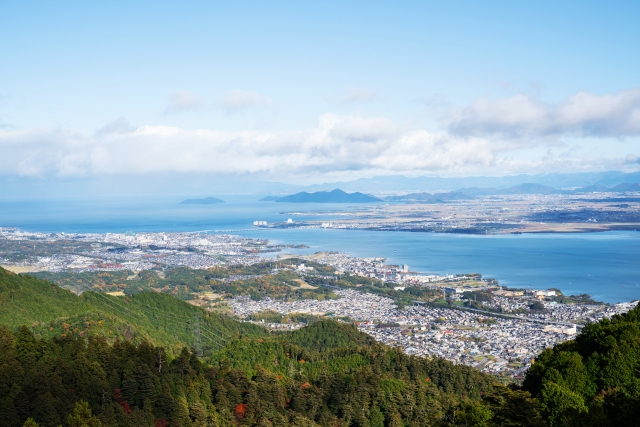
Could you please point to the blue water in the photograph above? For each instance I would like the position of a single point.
(604, 265)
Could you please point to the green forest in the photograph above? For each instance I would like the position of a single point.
(158, 318)
(258, 280)
(68, 360)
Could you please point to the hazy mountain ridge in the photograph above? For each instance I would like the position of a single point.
(380, 184)
(526, 188)
(334, 196)
(200, 185)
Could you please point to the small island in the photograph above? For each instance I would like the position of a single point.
(335, 196)
(269, 199)
(206, 201)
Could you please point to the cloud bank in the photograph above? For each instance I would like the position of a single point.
(337, 143)
(485, 137)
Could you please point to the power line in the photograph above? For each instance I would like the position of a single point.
(196, 333)
(169, 318)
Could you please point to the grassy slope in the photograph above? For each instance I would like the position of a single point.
(158, 318)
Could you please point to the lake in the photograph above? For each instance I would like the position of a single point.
(604, 265)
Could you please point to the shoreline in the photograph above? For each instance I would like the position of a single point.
(381, 248)
(504, 229)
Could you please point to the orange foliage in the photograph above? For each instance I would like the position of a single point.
(240, 410)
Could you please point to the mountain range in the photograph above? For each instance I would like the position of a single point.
(526, 188)
(201, 185)
(340, 196)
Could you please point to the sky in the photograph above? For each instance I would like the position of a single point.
(314, 91)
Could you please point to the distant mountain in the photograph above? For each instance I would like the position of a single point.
(624, 188)
(201, 185)
(524, 188)
(428, 197)
(615, 178)
(530, 188)
(335, 196)
(269, 199)
(399, 183)
(206, 201)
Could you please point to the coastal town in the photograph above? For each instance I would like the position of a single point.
(465, 318)
(56, 252)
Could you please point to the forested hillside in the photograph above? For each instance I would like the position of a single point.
(158, 318)
(95, 360)
(593, 380)
(128, 385)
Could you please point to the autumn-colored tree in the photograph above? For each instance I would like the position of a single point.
(117, 396)
(240, 411)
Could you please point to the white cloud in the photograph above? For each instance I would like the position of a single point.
(182, 100)
(631, 159)
(336, 145)
(238, 100)
(354, 95)
(582, 114)
(512, 135)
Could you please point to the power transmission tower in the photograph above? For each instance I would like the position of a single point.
(159, 359)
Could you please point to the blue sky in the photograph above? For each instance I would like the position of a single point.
(311, 91)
